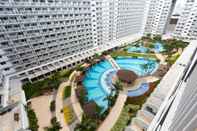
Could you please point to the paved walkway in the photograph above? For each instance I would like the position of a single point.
(147, 79)
(59, 107)
(41, 106)
(114, 114)
(112, 62)
(161, 58)
(75, 103)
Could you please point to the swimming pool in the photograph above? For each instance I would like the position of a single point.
(144, 87)
(98, 78)
(158, 47)
(140, 49)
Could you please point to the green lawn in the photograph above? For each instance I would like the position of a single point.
(128, 112)
(172, 58)
(125, 53)
(67, 92)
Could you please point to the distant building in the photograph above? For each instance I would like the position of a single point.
(186, 28)
(158, 16)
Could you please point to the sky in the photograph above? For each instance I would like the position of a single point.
(179, 6)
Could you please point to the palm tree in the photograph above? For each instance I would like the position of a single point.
(87, 124)
(118, 85)
(110, 98)
(145, 67)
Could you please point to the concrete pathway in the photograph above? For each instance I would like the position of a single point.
(74, 100)
(161, 58)
(41, 106)
(114, 114)
(147, 79)
(59, 107)
(112, 62)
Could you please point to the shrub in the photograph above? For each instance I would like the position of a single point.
(55, 125)
(87, 124)
(80, 68)
(65, 73)
(67, 92)
(52, 106)
(125, 117)
(39, 87)
(33, 121)
(68, 115)
(157, 37)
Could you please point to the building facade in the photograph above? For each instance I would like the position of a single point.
(186, 28)
(178, 111)
(158, 15)
(40, 36)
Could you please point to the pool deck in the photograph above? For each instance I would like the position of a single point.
(139, 81)
(161, 58)
(112, 62)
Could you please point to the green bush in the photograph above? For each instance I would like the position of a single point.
(39, 87)
(80, 68)
(33, 121)
(87, 124)
(67, 92)
(52, 106)
(157, 38)
(125, 117)
(65, 73)
(55, 125)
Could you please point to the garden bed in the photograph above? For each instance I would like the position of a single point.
(47, 85)
(133, 54)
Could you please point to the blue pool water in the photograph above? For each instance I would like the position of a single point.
(144, 87)
(140, 49)
(98, 78)
(158, 47)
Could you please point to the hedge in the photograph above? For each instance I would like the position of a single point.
(33, 121)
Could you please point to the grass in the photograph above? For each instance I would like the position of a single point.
(131, 107)
(172, 58)
(68, 115)
(67, 92)
(133, 54)
(128, 112)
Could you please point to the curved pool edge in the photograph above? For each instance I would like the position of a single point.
(139, 91)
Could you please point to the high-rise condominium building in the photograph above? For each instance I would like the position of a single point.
(158, 15)
(187, 24)
(121, 18)
(178, 111)
(39, 36)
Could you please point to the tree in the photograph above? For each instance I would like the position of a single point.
(52, 106)
(145, 67)
(55, 125)
(157, 38)
(148, 35)
(118, 85)
(87, 124)
(111, 98)
(33, 121)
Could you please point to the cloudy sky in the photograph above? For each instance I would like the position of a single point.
(179, 6)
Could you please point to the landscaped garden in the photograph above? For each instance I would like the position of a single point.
(46, 85)
(100, 81)
(142, 60)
